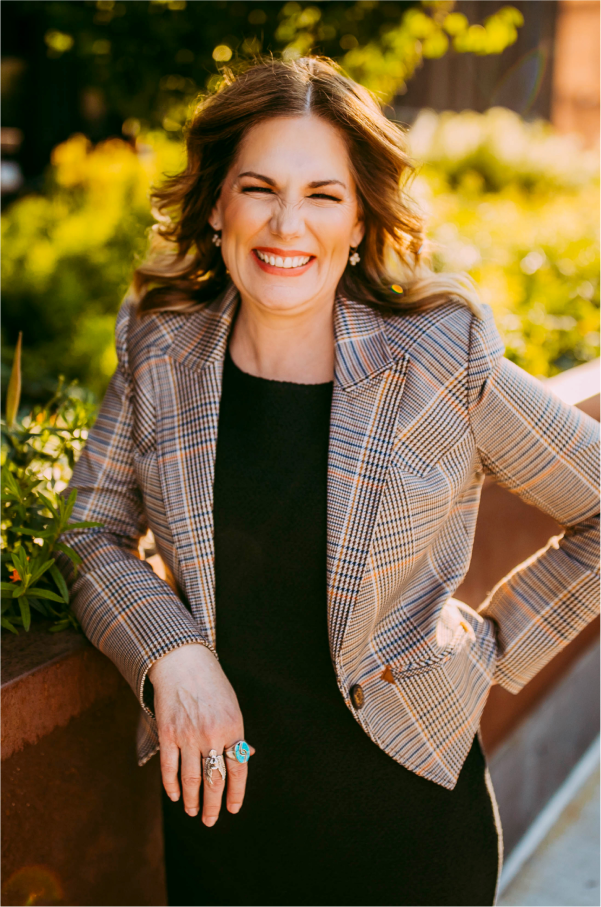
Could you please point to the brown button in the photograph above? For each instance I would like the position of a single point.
(357, 696)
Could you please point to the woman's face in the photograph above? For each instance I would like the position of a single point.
(288, 214)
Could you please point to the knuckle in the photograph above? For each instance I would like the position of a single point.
(189, 778)
(167, 733)
(217, 785)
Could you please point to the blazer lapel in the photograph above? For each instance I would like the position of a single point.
(368, 385)
(188, 381)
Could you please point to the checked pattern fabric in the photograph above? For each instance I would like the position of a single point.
(424, 406)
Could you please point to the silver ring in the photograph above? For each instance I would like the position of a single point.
(214, 762)
(238, 752)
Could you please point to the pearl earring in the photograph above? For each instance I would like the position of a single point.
(217, 239)
(354, 257)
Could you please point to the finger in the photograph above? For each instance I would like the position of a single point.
(169, 757)
(213, 793)
(236, 785)
(191, 778)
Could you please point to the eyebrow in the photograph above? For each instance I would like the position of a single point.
(314, 185)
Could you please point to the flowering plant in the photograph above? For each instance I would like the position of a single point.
(38, 454)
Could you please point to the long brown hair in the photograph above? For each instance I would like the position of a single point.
(185, 269)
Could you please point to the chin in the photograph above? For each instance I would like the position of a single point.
(278, 298)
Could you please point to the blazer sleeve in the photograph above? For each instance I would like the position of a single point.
(547, 452)
(125, 610)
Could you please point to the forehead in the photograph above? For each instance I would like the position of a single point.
(305, 146)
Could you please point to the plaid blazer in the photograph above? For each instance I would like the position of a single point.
(423, 406)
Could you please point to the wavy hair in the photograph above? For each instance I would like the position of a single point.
(184, 269)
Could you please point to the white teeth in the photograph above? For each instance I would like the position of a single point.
(279, 262)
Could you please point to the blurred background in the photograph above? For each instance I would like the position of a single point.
(502, 104)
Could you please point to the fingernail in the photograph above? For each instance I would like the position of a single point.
(235, 807)
(192, 812)
(174, 797)
(209, 822)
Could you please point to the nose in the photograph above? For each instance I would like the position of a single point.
(287, 220)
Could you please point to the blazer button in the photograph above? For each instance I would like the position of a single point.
(357, 696)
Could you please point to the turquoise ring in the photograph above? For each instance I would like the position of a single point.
(239, 752)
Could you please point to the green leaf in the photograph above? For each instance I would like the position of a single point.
(70, 552)
(25, 613)
(36, 533)
(70, 503)
(13, 392)
(20, 562)
(7, 587)
(45, 593)
(61, 625)
(39, 571)
(39, 606)
(48, 503)
(5, 622)
(57, 576)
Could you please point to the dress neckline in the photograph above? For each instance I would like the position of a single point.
(274, 381)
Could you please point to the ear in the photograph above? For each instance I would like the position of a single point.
(358, 233)
(215, 219)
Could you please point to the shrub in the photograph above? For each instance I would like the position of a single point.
(517, 206)
(68, 257)
(38, 453)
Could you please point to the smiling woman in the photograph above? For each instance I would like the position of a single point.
(359, 162)
(303, 414)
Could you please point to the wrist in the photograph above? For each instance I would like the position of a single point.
(187, 653)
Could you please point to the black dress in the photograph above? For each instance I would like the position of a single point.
(328, 817)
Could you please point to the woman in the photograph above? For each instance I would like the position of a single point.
(308, 446)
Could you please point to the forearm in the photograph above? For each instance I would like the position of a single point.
(125, 610)
(544, 603)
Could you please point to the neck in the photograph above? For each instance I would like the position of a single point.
(297, 346)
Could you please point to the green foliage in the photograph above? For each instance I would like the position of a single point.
(140, 63)
(38, 453)
(68, 256)
(517, 206)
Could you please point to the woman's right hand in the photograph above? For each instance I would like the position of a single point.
(197, 711)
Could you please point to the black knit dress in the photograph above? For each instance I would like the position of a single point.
(328, 817)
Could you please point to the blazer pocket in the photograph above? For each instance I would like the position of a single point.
(464, 633)
(419, 452)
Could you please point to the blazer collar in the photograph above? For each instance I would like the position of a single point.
(361, 348)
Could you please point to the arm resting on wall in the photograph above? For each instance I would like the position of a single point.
(125, 610)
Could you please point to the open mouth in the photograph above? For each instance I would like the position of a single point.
(274, 263)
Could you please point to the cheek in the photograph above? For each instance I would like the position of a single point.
(334, 227)
(243, 218)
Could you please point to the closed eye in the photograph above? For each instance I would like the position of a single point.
(257, 189)
(323, 195)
